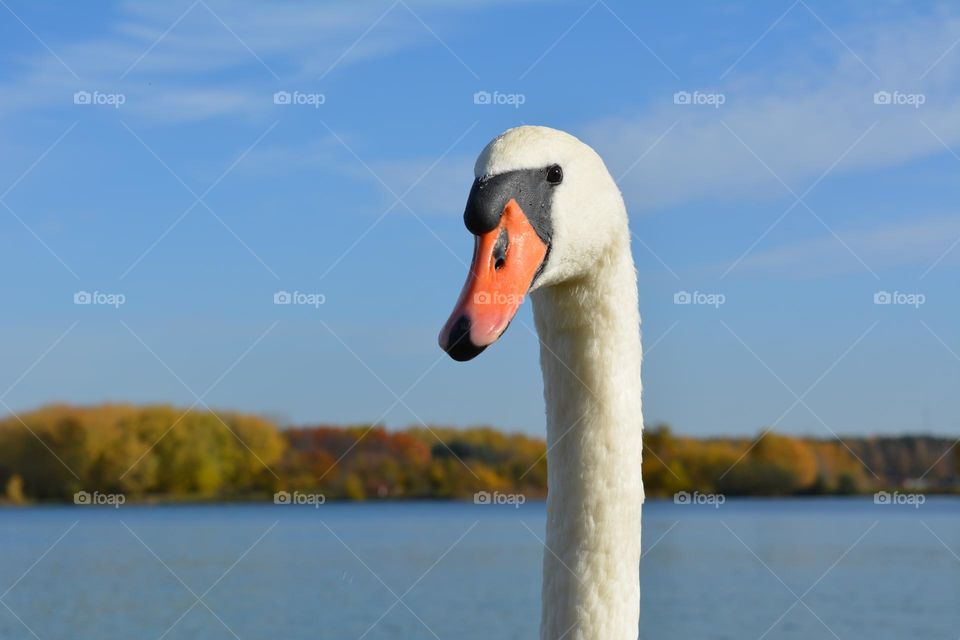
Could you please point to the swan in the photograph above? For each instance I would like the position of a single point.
(549, 221)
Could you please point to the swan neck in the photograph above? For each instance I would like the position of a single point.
(590, 356)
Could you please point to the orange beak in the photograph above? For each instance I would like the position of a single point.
(506, 260)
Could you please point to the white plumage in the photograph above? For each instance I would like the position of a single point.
(585, 307)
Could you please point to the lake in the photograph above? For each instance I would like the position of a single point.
(798, 569)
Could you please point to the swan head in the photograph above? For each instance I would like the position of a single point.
(543, 210)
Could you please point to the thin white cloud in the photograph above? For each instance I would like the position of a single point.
(915, 243)
(172, 61)
(429, 185)
(798, 117)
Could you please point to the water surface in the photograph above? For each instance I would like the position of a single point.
(796, 569)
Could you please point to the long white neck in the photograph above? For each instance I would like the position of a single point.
(590, 355)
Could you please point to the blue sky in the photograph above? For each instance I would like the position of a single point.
(797, 200)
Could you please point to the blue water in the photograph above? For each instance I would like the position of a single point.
(287, 572)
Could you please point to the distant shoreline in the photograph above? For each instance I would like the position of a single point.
(157, 454)
(217, 502)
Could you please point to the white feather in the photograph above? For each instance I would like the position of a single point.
(586, 315)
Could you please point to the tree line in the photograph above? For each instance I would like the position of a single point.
(163, 453)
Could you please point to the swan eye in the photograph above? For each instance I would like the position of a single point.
(554, 174)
